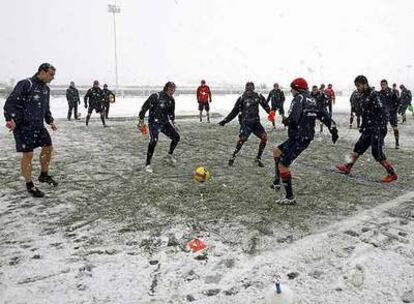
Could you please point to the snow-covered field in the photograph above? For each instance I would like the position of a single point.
(112, 234)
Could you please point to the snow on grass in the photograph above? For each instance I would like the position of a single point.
(111, 233)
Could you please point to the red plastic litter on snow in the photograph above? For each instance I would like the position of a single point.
(196, 245)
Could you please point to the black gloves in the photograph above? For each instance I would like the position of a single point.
(334, 133)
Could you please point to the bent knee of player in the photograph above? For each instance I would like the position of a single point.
(283, 168)
(47, 149)
(241, 140)
(27, 156)
(378, 155)
(276, 152)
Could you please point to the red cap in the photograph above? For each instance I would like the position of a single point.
(299, 84)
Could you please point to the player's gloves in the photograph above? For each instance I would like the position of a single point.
(334, 133)
(271, 116)
(142, 127)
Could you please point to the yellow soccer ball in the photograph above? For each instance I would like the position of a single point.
(201, 174)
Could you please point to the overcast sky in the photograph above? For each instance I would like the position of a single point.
(223, 41)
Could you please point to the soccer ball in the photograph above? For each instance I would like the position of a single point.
(201, 174)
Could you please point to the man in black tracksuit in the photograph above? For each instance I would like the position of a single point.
(25, 111)
(109, 97)
(301, 130)
(72, 96)
(277, 100)
(94, 100)
(391, 104)
(247, 107)
(161, 118)
(321, 100)
(355, 109)
(405, 101)
(373, 129)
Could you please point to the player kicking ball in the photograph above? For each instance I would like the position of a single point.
(161, 118)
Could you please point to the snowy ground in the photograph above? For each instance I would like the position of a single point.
(112, 234)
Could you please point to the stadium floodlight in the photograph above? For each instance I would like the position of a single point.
(115, 9)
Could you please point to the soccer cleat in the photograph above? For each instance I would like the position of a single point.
(259, 162)
(397, 147)
(287, 201)
(231, 161)
(35, 192)
(390, 178)
(344, 169)
(148, 169)
(48, 179)
(350, 126)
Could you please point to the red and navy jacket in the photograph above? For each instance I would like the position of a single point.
(302, 115)
(203, 94)
(28, 104)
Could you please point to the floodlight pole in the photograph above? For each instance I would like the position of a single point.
(115, 9)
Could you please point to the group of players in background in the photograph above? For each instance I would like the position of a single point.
(27, 108)
(95, 99)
